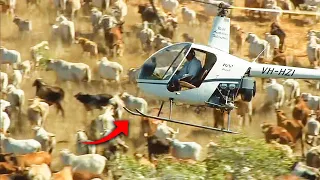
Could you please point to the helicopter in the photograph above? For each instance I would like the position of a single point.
(223, 76)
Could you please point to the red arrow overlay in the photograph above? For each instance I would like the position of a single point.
(122, 126)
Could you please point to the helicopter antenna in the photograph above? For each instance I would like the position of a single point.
(259, 54)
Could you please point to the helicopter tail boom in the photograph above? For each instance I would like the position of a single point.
(276, 71)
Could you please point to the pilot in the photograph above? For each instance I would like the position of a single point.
(189, 71)
(191, 68)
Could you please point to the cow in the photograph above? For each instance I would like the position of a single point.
(277, 30)
(91, 102)
(68, 71)
(51, 94)
(294, 127)
(29, 159)
(188, 16)
(88, 46)
(146, 36)
(257, 45)
(19, 147)
(301, 110)
(109, 70)
(92, 163)
(147, 13)
(46, 139)
(64, 174)
(38, 111)
(156, 146)
(114, 41)
(185, 150)
(279, 134)
(244, 109)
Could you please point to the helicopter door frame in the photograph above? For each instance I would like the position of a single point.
(209, 61)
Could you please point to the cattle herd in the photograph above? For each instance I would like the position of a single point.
(94, 45)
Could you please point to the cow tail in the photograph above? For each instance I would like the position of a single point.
(88, 74)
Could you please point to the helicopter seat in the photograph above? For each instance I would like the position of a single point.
(196, 82)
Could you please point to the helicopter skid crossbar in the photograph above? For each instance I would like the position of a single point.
(139, 113)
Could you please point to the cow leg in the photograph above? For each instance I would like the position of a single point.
(59, 108)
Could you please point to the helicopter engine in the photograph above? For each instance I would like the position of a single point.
(227, 92)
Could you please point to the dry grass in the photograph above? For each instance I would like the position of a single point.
(65, 128)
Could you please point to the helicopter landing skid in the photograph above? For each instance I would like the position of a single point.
(139, 113)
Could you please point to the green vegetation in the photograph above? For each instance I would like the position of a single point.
(236, 154)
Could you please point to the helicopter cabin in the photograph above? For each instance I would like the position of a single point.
(159, 75)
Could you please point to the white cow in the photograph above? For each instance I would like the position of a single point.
(274, 42)
(313, 50)
(68, 71)
(25, 68)
(46, 139)
(274, 16)
(185, 150)
(4, 105)
(133, 102)
(4, 121)
(163, 131)
(15, 96)
(117, 102)
(12, 7)
(312, 101)
(17, 78)
(3, 81)
(65, 29)
(257, 45)
(95, 18)
(292, 89)
(275, 94)
(37, 51)
(19, 147)
(38, 111)
(10, 57)
(109, 70)
(188, 15)
(75, 6)
(133, 74)
(82, 148)
(122, 10)
(170, 5)
(93, 163)
(146, 37)
(106, 120)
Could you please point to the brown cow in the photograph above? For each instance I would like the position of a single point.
(7, 168)
(114, 40)
(80, 175)
(244, 109)
(64, 174)
(88, 46)
(301, 110)
(294, 127)
(240, 39)
(219, 118)
(279, 58)
(27, 160)
(279, 134)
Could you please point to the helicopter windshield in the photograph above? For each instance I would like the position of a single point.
(162, 64)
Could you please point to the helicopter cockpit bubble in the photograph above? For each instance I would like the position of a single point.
(162, 64)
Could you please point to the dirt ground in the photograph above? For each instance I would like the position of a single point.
(75, 119)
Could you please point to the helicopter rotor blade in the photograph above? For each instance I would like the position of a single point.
(228, 6)
(275, 10)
